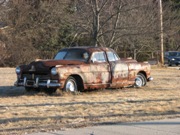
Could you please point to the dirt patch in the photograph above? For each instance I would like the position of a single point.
(23, 112)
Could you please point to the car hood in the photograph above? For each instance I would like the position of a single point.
(177, 58)
(171, 57)
(52, 63)
(46, 65)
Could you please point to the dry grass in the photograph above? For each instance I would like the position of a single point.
(23, 112)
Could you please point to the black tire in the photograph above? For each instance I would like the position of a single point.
(70, 85)
(140, 80)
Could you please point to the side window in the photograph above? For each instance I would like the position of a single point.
(112, 56)
(98, 57)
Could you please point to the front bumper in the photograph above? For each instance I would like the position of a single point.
(37, 83)
(150, 79)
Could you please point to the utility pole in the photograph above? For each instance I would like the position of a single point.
(162, 39)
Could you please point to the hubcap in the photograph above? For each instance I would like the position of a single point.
(138, 82)
(70, 86)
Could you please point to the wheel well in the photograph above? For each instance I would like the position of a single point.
(79, 82)
(144, 73)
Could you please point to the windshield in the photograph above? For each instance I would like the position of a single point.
(173, 53)
(72, 54)
(178, 54)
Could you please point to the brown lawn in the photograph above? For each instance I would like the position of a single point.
(22, 112)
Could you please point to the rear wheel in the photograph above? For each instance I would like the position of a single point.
(71, 85)
(140, 80)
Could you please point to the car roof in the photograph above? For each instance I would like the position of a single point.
(91, 48)
(172, 51)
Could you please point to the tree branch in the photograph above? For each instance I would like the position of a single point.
(2, 2)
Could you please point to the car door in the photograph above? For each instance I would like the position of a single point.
(119, 70)
(99, 76)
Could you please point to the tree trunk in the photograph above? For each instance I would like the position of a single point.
(95, 23)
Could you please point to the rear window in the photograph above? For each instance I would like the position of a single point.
(112, 56)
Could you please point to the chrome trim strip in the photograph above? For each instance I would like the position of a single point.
(24, 82)
(37, 82)
(48, 83)
(45, 83)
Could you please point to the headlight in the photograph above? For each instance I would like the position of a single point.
(53, 71)
(18, 70)
(173, 59)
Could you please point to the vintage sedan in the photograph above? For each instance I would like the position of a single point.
(82, 68)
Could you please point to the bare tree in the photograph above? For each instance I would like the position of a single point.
(110, 21)
(2, 2)
(171, 27)
(36, 28)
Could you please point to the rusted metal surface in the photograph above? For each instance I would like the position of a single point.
(93, 75)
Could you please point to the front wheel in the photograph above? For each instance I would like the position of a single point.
(140, 80)
(71, 85)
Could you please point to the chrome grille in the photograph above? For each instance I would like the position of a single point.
(34, 76)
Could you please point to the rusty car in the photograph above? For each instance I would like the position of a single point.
(82, 68)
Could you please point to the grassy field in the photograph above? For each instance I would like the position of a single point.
(23, 112)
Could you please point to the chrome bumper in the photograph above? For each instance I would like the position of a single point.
(37, 83)
(150, 79)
